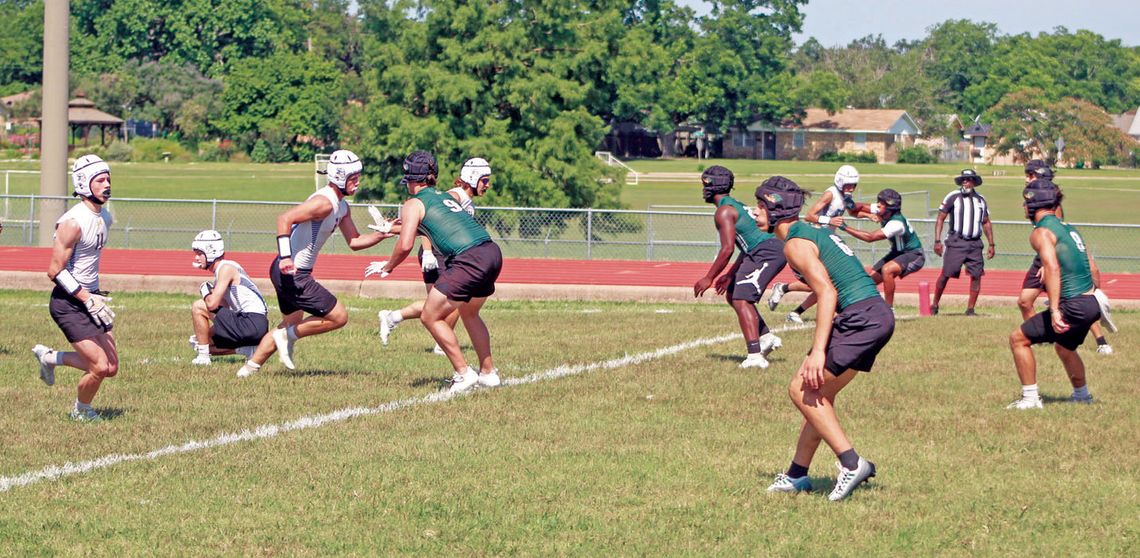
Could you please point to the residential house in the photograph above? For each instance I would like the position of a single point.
(949, 145)
(1128, 123)
(879, 131)
(982, 146)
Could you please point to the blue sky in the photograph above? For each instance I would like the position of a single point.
(837, 22)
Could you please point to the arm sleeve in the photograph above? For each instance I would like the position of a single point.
(947, 203)
(893, 229)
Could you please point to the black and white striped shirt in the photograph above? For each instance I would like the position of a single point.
(966, 212)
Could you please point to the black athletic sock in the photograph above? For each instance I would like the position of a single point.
(849, 459)
(754, 347)
(763, 326)
(800, 309)
(796, 470)
(1101, 341)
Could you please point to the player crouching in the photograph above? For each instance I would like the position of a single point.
(230, 318)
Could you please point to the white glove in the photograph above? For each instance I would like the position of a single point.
(1105, 311)
(380, 224)
(428, 261)
(375, 268)
(205, 288)
(97, 308)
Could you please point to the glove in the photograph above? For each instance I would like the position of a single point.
(428, 261)
(1105, 311)
(97, 308)
(376, 268)
(848, 202)
(205, 288)
(380, 224)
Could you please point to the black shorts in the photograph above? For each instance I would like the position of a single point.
(72, 318)
(1032, 281)
(431, 276)
(757, 269)
(858, 333)
(300, 292)
(1079, 312)
(962, 252)
(238, 329)
(909, 262)
(471, 273)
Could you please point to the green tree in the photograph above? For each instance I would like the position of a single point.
(21, 44)
(1028, 124)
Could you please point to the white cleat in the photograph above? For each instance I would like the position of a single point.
(194, 342)
(245, 371)
(463, 382)
(284, 347)
(754, 360)
(246, 352)
(1024, 404)
(201, 360)
(386, 326)
(784, 483)
(794, 318)
(768, 343)
(778, 292)
(438, 350)
(1105, 349)
(47, 371)
(490, 379)
(849, 479)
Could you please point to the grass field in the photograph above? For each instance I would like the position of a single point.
(652, 455)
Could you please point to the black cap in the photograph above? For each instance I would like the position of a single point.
(419, 165)
(1041, 194)
(968, 174)
(890, 199)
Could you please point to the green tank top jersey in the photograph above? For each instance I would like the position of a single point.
(843, 267)
(450, 228)
(1076, 275)
(906, 241)
(748, 234)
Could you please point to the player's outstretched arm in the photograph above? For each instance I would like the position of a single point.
(866, 236)
(358, 241)
(411, 214)
(803, 256)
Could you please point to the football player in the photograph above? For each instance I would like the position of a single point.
(905, 256)
(230, 318)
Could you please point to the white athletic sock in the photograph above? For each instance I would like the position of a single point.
(1081, 392)
(395, 318)
(291, 333)
(252, 365)
(1029, 392)
(80, 406)
(203, 350)
(54, 357)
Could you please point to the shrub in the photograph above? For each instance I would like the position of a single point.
(215, 151)
(260, 152)
(119, 151)
(151, 150)
(917, 155)
(849, 157)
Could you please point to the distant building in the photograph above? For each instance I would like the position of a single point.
(982, 146)
(950, 145)
(879, 131)
(1128, 123)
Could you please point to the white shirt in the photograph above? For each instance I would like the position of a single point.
(243, 295)
(464, 200)
(308, 237)
(836, 207)
(84, 262)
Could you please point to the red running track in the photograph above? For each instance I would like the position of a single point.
(1123, 286)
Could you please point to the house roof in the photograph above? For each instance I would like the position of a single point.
(978, 129)
(11, 100)
(850, 120)
(1128, 122)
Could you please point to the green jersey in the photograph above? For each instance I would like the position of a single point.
(748, 234)
(843, 268)
(449, 227)
(1076, 274)
(901, 234)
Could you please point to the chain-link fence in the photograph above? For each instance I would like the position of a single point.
(528, 232)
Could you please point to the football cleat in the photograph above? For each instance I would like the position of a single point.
(754, 360)
(47, 371)
(778, 292)
(1105, 349)
(784, 483)
(246, 352)
(193, 342)
(849, 479)
(1086, 400)
(490, 379)
(85, 415)
(246, 371)
(386, 326)
(933, 309)
(201, 360)
(769, 343)
(438, 350)
(463, 382)
(794, 318)
(284, 347)
(1023, 404)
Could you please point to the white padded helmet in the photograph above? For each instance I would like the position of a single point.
(85, 169)
(474, 169)
(846, 175)
(210, 243)
(342, 164)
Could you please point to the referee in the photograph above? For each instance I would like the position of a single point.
(969, 218)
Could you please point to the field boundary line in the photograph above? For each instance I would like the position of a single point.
(57, 472)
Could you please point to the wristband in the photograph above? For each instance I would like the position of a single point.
(823, 220)
(938, 242)
(284, 249)
(67, 282)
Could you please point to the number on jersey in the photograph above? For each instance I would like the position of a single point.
(842, 245)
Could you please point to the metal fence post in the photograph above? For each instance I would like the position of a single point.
(589, 234)
(649, 237)
(214, 215)
(31, 220)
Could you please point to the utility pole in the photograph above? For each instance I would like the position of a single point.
(54, 126)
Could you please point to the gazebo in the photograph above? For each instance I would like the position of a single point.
(82, 116)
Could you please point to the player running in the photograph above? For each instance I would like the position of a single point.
(827, 210)
(301, 233)
(1067, 272)
(230, 318)
(77, 305)
(761, 258)
(853, 324)
(474, 180)
(905, 256)
(471, 265)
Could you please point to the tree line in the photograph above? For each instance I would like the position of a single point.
(533, 85)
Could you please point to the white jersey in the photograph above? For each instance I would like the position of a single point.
(836, 207)
(307, 238)
(464, 200)
(242, 296)
(93, 227)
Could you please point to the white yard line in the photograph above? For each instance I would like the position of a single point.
(56, 472)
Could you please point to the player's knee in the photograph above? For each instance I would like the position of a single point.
(105, 369)
(1017, 339)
